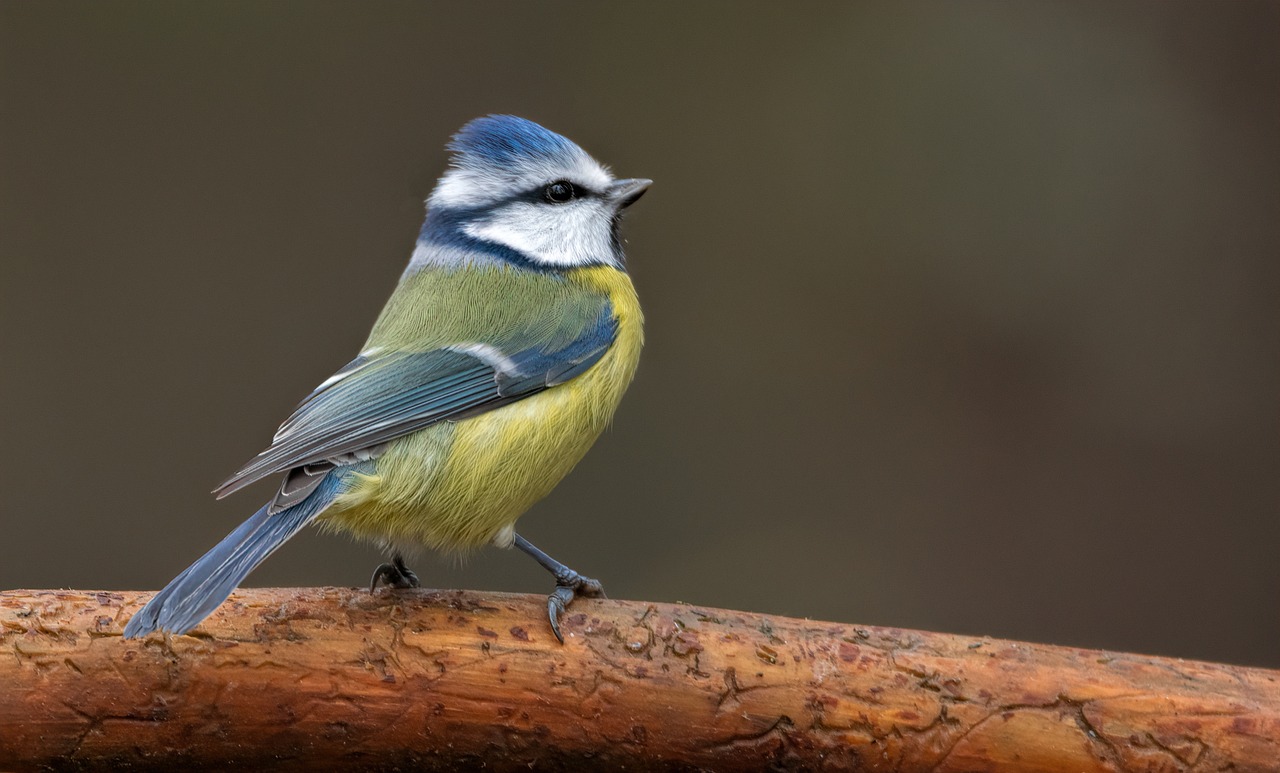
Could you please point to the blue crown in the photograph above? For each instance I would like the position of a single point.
(507, 139)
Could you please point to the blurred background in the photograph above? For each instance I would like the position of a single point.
(962, 317)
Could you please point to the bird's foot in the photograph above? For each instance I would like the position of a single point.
(570, 585)
(394, 575)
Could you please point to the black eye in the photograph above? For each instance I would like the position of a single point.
(560, 191)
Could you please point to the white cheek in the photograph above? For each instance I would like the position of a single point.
(571, 235)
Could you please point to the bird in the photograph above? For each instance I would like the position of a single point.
(498, 360)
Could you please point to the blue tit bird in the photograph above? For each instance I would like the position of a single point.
(498, 360)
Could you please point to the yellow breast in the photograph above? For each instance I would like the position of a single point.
(457, 486)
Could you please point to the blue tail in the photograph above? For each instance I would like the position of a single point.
(193, 595)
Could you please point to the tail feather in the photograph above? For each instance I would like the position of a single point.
(193, 595)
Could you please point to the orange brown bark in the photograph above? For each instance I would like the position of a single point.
(336, 678)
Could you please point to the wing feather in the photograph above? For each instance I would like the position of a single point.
(377, 398)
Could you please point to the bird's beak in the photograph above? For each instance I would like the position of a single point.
(623, 193)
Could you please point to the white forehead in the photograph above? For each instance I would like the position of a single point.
(475, 185)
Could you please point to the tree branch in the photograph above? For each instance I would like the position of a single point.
(334, 677)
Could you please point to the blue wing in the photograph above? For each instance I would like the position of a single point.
(381, 397)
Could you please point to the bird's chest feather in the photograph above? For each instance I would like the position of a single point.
(456, 485)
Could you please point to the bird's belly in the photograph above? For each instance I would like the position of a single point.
(458, 485)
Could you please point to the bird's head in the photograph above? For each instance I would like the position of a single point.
(519, 192)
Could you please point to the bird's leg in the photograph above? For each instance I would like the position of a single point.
(569, 584)
(394, 575)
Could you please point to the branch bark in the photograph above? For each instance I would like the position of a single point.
(340, 678)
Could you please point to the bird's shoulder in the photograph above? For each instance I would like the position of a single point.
(499, 306)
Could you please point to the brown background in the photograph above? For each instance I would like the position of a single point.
(962, 316)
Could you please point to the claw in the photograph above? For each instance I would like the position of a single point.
(557, 603)
(591, 588)
(568, 587)
(395, 575)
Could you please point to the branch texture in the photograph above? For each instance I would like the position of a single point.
(330, 678)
